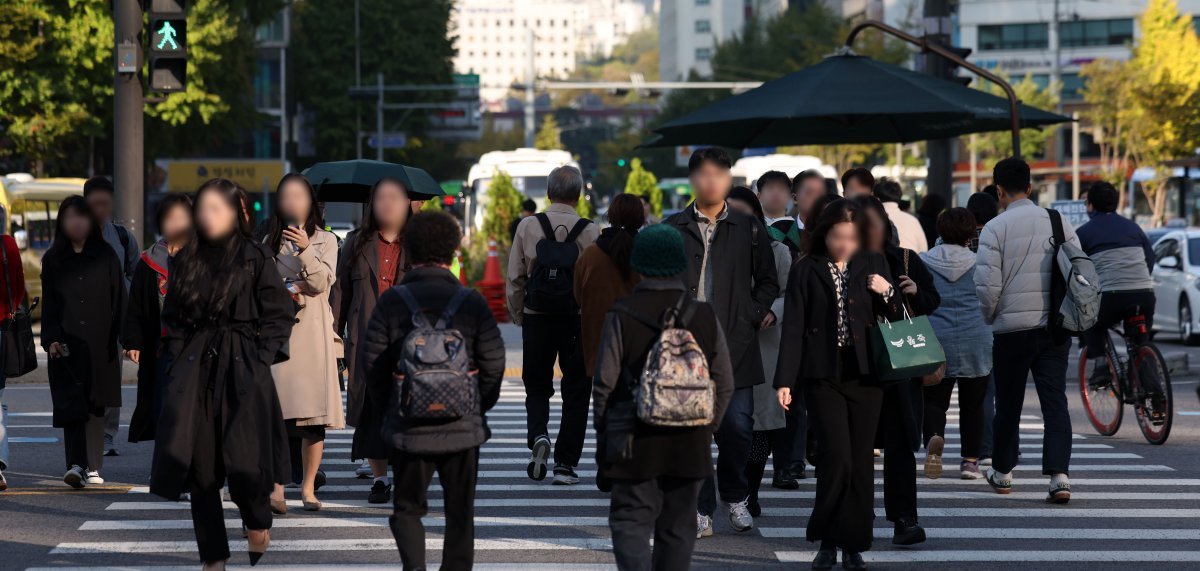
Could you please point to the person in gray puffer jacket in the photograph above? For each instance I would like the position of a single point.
(965, 338)
(1012, 280)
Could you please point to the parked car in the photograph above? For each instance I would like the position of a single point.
(1176, 285)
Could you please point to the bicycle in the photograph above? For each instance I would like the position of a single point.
(1140, 378)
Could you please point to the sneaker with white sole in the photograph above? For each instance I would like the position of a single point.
(1060, 492)
(75, 477)
(93, 478)
(364, 470)
(969, 470)
(739, 515)
(3, 481)
(1001, 486)
(985, 461)
(933, 457)
(564, 475)
(539, 456)
(703, 525)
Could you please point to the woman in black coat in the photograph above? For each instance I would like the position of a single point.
(82, 289)
(143, 326)
(834, 295)
(227, 317)
(900, 418)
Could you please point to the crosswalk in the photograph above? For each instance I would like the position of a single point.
(1126, 513)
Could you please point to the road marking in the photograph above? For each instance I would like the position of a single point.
(976, 556)
(356, 504)
(64, 489)
(990, 533)
(341, 567)
(1019, 512)
(389, 544)
(332, 522)
(32, 440)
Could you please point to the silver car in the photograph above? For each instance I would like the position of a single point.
(1176, 270)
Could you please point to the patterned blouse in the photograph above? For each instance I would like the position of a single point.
(841, 288)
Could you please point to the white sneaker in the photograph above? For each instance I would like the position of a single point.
(75, 477)
(703, 526)
(93, 478)
(739, 515)
(3, 482)
(363, 470)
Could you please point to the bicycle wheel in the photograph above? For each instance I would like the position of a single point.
(1103, 404)
(1151, 385)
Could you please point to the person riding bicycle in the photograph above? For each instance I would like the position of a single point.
(1124, 260)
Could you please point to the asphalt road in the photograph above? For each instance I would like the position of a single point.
(1135, 506)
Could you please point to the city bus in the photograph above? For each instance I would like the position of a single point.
(529, 169)
(747, 169)
(30, 214)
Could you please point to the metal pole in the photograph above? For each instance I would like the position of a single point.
(974, 144)
(379, 119)
(940, 179)
(1056, 80)
(530, 77)
(357, 83)
(128, 147)
(1075, 183)
(283, 115)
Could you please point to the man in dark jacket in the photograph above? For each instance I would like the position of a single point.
(654, 492)
(451, 447)
(730, 266)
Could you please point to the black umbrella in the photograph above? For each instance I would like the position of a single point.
(847, 99)
(351, 181)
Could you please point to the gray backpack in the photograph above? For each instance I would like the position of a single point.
(675, 388)
(435, 381)
(1075, 287)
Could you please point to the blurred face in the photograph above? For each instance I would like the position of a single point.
(176, 224)
(102, 204)
(842, 241)
(295, 202)
(76, 225)
(711, 183)
(215, 218)
(876, 233)
(855, 188)
(810, 190)
(391, 206)
(774, 198)
(739, 206)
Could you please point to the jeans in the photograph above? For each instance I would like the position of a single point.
(3, 432)
(734, 438)
(1016, 355)
(661, 508)
(457, 472)
(548, 338)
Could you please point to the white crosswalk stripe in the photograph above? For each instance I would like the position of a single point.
(1119, 495)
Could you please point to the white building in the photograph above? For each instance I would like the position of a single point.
(689, 31)
(1019, 37)
(493, 37)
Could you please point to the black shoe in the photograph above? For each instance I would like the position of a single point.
(538, 458)
(802, 474)
(111, 452)
(907, 532)
(319, 480)
(784, 480)
(1101, 378)
(381, 493)
(852, 560)
(825, 559)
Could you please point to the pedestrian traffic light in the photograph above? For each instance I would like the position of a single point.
(952, 67)
(621, 163)
(168, 45)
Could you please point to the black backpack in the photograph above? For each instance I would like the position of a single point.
(550, 288)
(436, 381)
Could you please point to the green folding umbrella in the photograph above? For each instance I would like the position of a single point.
(351, 181)
(847, 99)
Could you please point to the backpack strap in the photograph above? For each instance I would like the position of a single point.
(123, 236)
(1058, 285)
(1056, 228)
(651, 325)
(580, 225)
(418, 317)
(451, 308)
(547, 229)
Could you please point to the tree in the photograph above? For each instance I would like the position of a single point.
(998, 145)
(584, 207)
(1108, 91)
(504, 206)
(642, 182)
(548, 137)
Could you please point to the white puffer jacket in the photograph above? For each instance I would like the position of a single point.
(1012, 275)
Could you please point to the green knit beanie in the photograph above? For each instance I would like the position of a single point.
(658, 252)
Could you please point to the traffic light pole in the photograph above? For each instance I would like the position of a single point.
(128, 148)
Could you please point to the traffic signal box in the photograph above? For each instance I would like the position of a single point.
(168, 45)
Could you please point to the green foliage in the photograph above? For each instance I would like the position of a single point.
(548, 137)
(405, 40)
(641, 182)
(504, 206)
(432, 205)
(584, 207)
(998, 145)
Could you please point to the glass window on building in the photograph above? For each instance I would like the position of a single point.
(1014, 37)
(1072, 87)
(703, 54)
(266, 83)
(1095, 33)
(703, 2)
(703, 26)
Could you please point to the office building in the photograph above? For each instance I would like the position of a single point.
(689, 31)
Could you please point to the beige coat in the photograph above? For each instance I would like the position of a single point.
(524, 251)
(307, 382)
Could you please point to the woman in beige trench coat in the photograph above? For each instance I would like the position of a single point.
(307, 383)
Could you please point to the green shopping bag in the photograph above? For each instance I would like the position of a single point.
(905, 349)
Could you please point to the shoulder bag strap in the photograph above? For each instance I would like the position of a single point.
(1056, 228)
(547, 229)
(452, 307)
(418, 317)
(580, 225)
(7, 281)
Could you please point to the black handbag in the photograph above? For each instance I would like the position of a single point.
(16, 335)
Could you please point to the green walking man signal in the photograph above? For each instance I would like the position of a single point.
(166, 35)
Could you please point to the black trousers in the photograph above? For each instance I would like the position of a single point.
(205, 480)
(1115, 306)
(663, 508)
(83, 442)
(546, 339)
(970, 411)
(845, 414)
(457, 472)
(1015, 355)
(791, 448)
(899, 460)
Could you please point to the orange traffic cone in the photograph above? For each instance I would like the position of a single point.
(492, 284)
